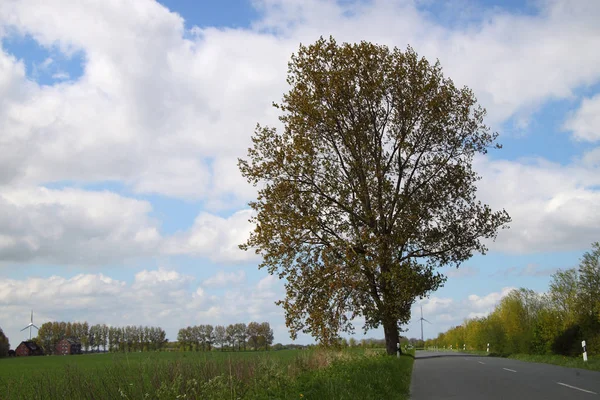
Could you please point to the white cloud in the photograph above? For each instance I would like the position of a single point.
(166, 111)
(585, 123)
(73, 226)
(224, 279)
(214, 237)
(553, 207)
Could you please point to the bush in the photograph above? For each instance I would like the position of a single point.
(568, 341)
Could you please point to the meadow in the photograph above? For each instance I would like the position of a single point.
(285, 374)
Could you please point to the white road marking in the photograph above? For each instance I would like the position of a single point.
(480, 362)
(576, 388)
(508, 369)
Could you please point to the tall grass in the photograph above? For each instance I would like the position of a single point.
(315, 374)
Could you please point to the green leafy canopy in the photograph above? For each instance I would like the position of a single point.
(369, 188)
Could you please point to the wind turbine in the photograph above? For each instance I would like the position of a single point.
(31, 325)
(422, 319)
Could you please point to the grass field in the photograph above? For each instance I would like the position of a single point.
(286, 374)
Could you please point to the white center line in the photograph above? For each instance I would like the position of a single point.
(576, 388)
(508, 369)
(480, 362)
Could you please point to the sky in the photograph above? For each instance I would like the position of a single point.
(121, 123)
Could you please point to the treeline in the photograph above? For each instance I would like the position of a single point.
(205, 337)
(528, 322)
(94, 337)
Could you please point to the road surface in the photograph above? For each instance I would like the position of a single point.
(441, 375)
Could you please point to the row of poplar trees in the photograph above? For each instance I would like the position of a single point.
(528, 322)
(95, 337)
(205, 337)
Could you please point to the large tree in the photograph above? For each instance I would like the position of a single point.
(369, 187)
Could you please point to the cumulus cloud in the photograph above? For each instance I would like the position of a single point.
(73, 226)
(214, 237)
(585, 123)
(164, 110)
(225, 279)
(161, 109)
(553, 207)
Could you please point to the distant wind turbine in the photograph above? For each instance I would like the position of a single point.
(422, 319)
(31, 325)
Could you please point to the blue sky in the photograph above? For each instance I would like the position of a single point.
(120, 199)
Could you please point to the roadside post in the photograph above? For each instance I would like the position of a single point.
(584, 351)
(464, 346)
(488, 348)
(398, 350)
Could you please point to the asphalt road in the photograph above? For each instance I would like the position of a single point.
(439, 375)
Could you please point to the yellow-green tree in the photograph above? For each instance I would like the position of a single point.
(368, 189)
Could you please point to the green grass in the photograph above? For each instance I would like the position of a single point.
(593, 362)
(22, 366)
(316, 374)
(375, 377)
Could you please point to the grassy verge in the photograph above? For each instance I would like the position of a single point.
(375, 377)
(355, 373)
(593, 363)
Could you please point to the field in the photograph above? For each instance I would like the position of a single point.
(285, 374)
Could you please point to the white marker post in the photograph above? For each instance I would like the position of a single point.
(450, 347)
(398, 350)
(584, 351)
(488, 348)
(464, 346)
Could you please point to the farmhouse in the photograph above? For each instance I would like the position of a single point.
(29, 348)
(67, 346)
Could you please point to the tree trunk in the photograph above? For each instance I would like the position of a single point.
(390, 330)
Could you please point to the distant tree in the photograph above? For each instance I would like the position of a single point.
(113, 338)
(104, 336)
(85, 336)
(266, 335)
(183, 338)
(241, 333)
(45, 337)
(220, 335)
(4, 344)
(253, 332)
(352, 342)
(209, 336)
(230, 335)
(278, 346)
(368, 189)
